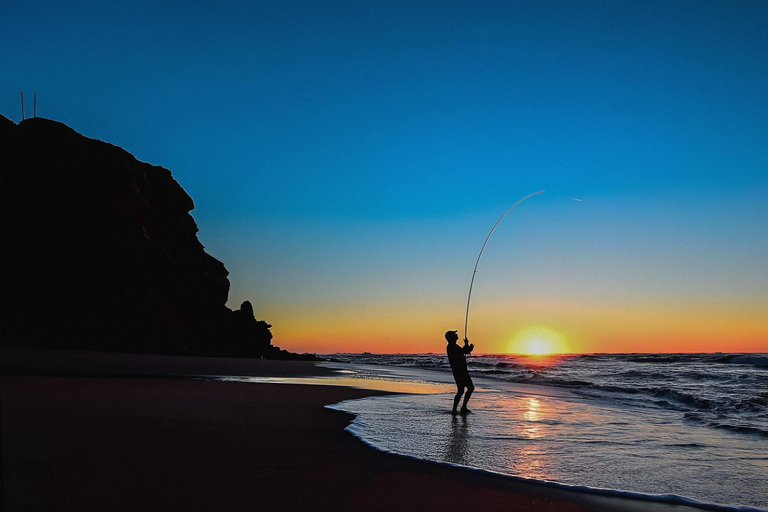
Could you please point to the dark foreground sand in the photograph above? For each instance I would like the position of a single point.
(140, 444)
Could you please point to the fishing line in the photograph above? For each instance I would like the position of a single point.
(469, 297)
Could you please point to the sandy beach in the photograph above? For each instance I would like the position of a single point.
(73, 441)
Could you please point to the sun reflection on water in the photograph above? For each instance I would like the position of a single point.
(532, 462)
(532, 414)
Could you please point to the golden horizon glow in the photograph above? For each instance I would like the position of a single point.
(578, 327)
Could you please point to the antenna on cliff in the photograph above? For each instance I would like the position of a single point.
(35, 104)
(22, 105)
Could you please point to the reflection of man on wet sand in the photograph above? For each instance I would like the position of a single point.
(457, 450)
(458, 362)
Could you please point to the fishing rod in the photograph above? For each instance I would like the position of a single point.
(469, 297)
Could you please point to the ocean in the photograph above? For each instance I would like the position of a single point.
(685, 428)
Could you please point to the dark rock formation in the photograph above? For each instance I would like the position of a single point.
(99, 252)
(249, 336)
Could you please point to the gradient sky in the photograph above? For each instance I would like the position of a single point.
(347, 159)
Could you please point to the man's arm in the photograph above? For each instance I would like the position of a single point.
(468, 347)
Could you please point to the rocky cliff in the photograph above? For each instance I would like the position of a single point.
(99, 252)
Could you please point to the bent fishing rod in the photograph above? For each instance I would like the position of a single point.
(469, 297)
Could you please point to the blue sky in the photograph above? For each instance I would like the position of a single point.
(347, 159)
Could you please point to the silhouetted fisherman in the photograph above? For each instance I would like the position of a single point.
(458, 360)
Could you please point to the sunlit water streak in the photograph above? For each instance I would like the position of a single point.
(554, 434)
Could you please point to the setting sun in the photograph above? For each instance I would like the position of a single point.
(538, 341)
(538, 347)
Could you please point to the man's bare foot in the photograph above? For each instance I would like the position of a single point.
(464, 411)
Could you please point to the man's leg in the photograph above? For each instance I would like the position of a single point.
(470, 389)
(457, 397)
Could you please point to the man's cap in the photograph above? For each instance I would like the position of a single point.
(448, 333)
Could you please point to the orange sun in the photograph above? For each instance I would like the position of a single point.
(538, 341)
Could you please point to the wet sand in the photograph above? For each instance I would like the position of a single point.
(144, 443)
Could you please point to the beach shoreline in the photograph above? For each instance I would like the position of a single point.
(77, 442)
